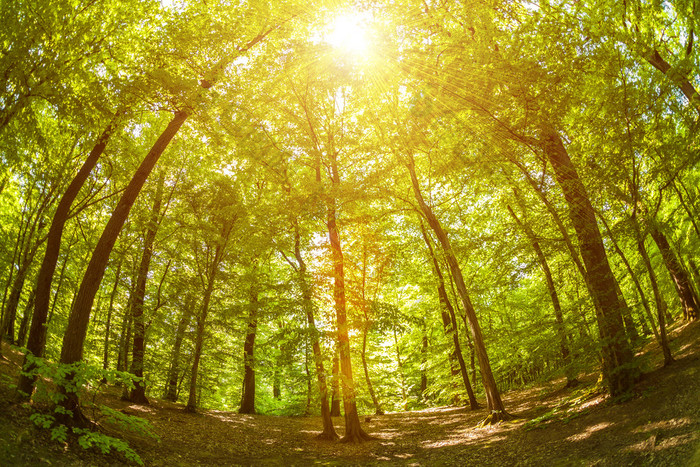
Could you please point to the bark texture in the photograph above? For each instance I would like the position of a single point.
(36, 341)
(494, 403)
(618, 371)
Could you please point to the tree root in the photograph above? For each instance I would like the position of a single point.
(356, 435)
(326, 436)
(496, 417)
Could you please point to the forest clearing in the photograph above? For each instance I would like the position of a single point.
(658, 426)
(349, 231)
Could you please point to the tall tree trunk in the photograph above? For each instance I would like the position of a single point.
(618, 372)
(353, 429)
(201, 320)
(36, 342)
(110, 309)
(174, 370)
(248, 396)
(72, 349)
(424, 365)
(22, 333)
(138, 393)
(8, 324)
(365, 331)
(335, 386)
(633, 276)
(559, 328)
(660, 303)
(678, 274)
(494, 403)
(399, 367)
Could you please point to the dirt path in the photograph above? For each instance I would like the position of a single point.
(659, 426)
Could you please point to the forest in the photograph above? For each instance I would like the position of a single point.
(383, 211)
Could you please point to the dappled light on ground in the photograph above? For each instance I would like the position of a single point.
(658, 425)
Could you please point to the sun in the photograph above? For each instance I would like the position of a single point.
(349, 34)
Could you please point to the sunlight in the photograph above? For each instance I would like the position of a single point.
(349, 34)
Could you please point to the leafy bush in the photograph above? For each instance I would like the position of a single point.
(54, 379)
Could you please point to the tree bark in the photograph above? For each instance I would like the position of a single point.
(72, 349)
(424, 365)
(494, 403)
(201, 320)
(678, 274)
(449, 322)
(633, 276)
(138, 393)
(335, 386)
(685, 86)
(174, 371)
(559, 328)
(660, 303)
(108, 327)
(618, 371)
(36, 341)
(353, 429)
(248, 396)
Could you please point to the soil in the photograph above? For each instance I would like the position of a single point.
(657, 425)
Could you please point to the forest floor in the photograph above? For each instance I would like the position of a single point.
(659, 424)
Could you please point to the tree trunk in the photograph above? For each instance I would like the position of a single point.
(353, 429)
(633, 276)
(72, 349)
(335, 387)
(108, 327)
(37, 332)
(8, 324)
(248, 396)
(399, 368)
(201, 320)
(449, 322)
(660, 303)
(365, 331)
(174, 371)
(618, 371)
(559, 328)
(363, 356)
(494, 403)
(678, 274)
(22, 333)
(685, 86)
(424, 365)
(138, 393)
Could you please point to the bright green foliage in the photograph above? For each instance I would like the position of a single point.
(464, 88)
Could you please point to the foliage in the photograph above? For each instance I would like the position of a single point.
(89, 379)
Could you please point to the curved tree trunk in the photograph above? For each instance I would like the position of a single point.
(618, 372)
(138, 393)
(559, 328)
(72, 349)
(37, 331)
(494, 403)
(678, 274)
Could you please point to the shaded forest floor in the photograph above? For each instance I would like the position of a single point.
(659, 424)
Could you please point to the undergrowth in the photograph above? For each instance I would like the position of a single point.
(52, 379)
